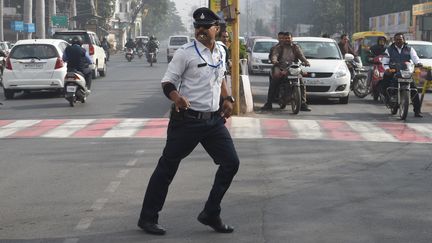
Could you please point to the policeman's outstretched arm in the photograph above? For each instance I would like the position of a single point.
(171, 92)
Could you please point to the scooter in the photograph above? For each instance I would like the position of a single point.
(151, 56)
(377, 75)
(75, 87)
(129, 55)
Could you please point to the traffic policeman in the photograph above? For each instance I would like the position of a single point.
(195, 82)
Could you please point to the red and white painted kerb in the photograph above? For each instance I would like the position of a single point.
(240, 128)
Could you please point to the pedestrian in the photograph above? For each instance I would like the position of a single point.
(194, 81)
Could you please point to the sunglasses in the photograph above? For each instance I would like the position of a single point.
(205, 26)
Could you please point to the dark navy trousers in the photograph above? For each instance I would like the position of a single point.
(183, 136)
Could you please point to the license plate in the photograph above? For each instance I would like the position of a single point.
(407, 80)
(313, 81)
(71, 89)
(33, 66)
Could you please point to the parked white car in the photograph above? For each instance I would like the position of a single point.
(174, 43)
(328, 75)
(35, 65)
(92, 44)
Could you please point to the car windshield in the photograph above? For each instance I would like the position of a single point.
(263, 46)
(69, 36)
(319, 50)
(34, 51)
(178, 41)
(423, 51)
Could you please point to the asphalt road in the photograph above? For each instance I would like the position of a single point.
(288, 189)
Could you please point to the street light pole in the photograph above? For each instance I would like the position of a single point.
(40, 19)
(1, 21)
(28, 16)
(235, 57)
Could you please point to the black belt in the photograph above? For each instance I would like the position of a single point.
(191, 114)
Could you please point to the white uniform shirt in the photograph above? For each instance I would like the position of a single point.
(413, 55)
(200, 85)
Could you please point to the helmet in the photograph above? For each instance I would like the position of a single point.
(76, 40)
(152, 37)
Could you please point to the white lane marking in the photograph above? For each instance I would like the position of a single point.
(423, 129)
(306, 129)
(84, 223)
(112, 187)
(16, 126)
(99, 204)
(245, 127)
(370, 132)
(126, 128)
(139, 152)
(132, 162)
(122, 173)
(71, 240)
(67, 129)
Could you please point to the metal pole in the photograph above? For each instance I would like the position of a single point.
(51, 12)
(1, 21)
(73, 13)
(40, 19)
(28, 16)
(235, 57)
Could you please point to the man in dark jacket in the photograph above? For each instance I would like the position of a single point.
(78, 59)
(398, 53)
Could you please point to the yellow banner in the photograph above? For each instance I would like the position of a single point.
(421, 9)
(215, 5)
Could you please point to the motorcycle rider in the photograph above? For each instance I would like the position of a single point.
(2, 54)
(398, 53)
(345, 46)
(130, 44)
(106, 46)
(140, 44)
(288, 52)
(78, 59)
(272, 88)
(379, 48)
(152, 44)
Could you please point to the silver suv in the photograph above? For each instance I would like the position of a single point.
(92, 44)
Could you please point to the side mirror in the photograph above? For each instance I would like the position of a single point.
(349, 57)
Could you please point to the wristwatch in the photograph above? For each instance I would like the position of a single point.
(229, 98)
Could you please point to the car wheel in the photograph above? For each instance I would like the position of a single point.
(9, 94)
(344, 100)
(103, 72)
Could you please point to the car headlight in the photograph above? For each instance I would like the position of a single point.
(341, 72)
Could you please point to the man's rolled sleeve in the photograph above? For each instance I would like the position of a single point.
(175, 68)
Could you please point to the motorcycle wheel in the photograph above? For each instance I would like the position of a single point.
(403, 105)
(283, 101)
(360, 88)
(71, 101)
(394, 109)
(295, 100)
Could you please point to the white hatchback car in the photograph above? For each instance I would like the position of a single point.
(328, 75)
(35, 65)
(258, 59)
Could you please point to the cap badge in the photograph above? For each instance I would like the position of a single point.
(202, 16)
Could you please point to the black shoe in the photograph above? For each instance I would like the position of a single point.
(215, 223)
(267, 107)
(305, 107)
(151, 228)
(418, 114)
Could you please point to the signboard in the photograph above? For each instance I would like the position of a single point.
(59, 21)
(391, 23)
(17, 26)
(421, 9)
(29, 28)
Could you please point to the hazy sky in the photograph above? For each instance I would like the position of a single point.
(185, 7)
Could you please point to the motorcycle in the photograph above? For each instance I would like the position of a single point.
(151, 56)
(359, 80)
(75, 87)
(129, 54)
(399, 92)
(289, 88)
(140, 52)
